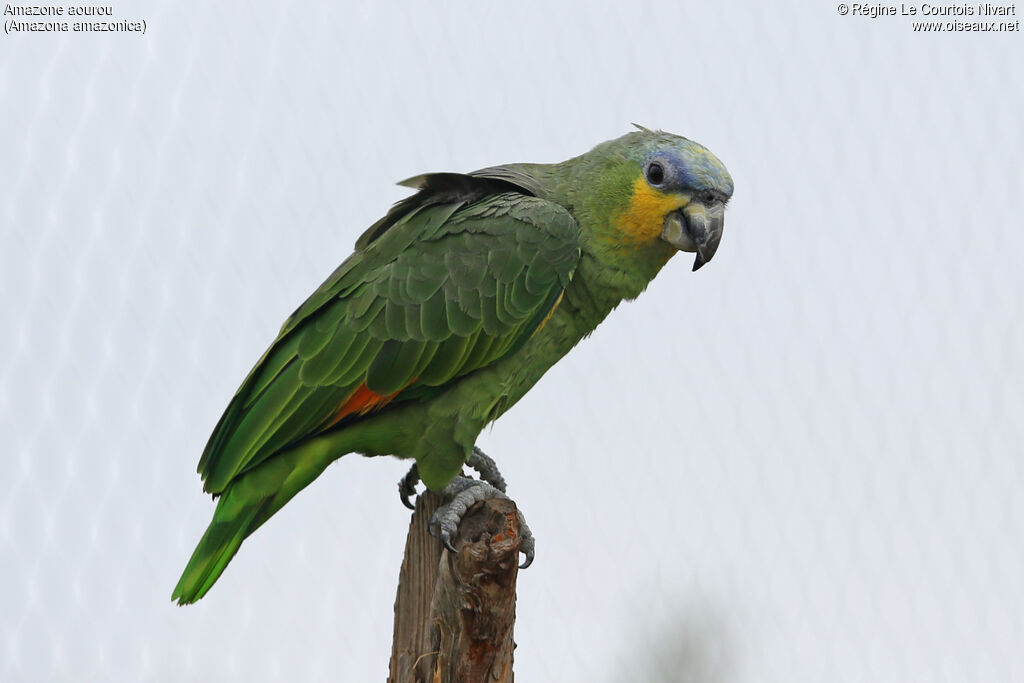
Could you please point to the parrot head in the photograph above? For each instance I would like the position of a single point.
(657, 194)
(682, 170)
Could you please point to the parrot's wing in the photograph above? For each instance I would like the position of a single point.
(451, 285)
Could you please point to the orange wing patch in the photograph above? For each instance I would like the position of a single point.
(361, 402)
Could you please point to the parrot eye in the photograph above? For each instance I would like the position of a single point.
(708, 197)
(655, 173)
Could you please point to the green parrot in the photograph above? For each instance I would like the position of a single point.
(452, 307)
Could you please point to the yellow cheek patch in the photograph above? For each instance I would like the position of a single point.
(643, 219)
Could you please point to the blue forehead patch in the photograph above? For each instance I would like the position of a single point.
(694, 166)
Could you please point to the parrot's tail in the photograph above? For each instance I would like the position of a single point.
(231, 524)
(245, 504)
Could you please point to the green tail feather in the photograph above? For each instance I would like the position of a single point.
(247, 502)
(218, 545)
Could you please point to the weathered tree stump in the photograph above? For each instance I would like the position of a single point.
(454, 613)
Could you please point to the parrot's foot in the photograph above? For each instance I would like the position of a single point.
(479, 461)
(462, 494)
(487, 469)
(407, 486)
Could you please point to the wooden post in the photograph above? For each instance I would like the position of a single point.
(454, 613)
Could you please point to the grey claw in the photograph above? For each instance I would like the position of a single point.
(446, 539)
(437, 526)
(529, 545)
(407, 486)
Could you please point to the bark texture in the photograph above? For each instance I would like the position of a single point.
(454, 613)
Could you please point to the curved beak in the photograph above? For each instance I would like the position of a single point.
(697, 227)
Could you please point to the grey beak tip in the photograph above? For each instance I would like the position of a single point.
(698, 263)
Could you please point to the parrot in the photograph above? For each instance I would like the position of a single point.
(452, 306)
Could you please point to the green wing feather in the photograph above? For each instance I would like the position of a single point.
(453, 279)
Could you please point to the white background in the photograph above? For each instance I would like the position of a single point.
(802, 463)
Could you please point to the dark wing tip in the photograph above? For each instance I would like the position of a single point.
(416, 182)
